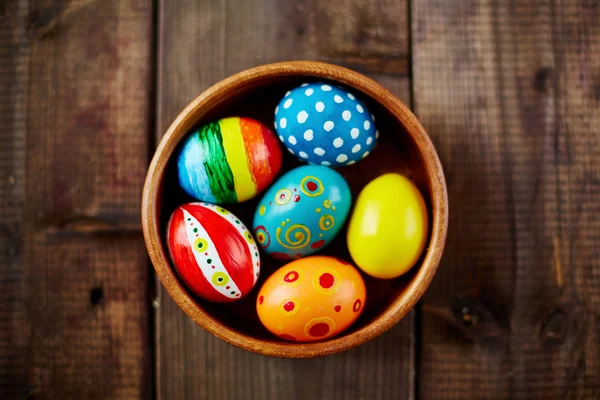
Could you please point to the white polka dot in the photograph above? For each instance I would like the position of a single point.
(328, 126)
(275, 124)
(281, 138)
(292, 139)
(326, 88)
(288, 103)
(341, 158)
(287, 93)
(367, 125)
(291, 151)
(351, 162)
(319, 106)
(309, 92)
(373, 117)
(346, 115)
(304, 84)
(359, 108)
(366, 154)
(354, 133)
(276, 110)
(338, 142)
(308, 135)
(319, 151)
(369, 140)
(338, 99)
(302, 116)
(376, 134)
(350, 96)
(283, 122)
(325, 163)
(303, 154)
(356, 148)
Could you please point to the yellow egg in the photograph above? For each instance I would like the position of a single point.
(389, 227)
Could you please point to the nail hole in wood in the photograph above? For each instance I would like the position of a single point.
(96, 295)
(540, 81)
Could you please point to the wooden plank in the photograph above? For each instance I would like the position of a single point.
(509, 91)
(75, 84)
(13, 317)
(203, 42)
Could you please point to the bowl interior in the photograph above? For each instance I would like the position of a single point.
(395, 152)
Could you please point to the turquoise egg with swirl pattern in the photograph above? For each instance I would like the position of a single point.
(302, 212)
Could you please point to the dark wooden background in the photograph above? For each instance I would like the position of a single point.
(508, 90)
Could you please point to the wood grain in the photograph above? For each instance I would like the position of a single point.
(74, 146)
(13, 105)
(509, 91)
(200, 44)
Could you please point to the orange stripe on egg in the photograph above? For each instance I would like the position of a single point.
(258, 152)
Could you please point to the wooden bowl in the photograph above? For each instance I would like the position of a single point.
(403, 147)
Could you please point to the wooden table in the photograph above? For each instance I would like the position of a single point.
(509, 92)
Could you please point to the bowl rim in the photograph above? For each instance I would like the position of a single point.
(213, 96)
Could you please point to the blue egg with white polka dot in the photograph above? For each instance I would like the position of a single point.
(321, 123)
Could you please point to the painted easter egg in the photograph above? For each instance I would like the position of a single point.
(310, 299)
(323, 124)
(301, 212)
(389, 227)
(213, 252)
(228, 161)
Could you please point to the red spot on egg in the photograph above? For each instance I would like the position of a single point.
(326, 280)
(261, 299)
(356, 306)
(196, 235)
(287, 337)
(317, 244)
(270, 203)
(296, 198)
(282, 196)
(337, 308)
(295, 190)
(227, 287)
(319, 329)
(280, 256)
(289, 306)
(311, 186)
(213, 267)
(206, 253)
(291, 276)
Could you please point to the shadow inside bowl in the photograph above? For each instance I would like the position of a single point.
(395, 152)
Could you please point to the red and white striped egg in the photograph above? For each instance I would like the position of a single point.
(214, 253)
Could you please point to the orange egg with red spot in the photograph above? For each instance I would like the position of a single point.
(312, 298)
